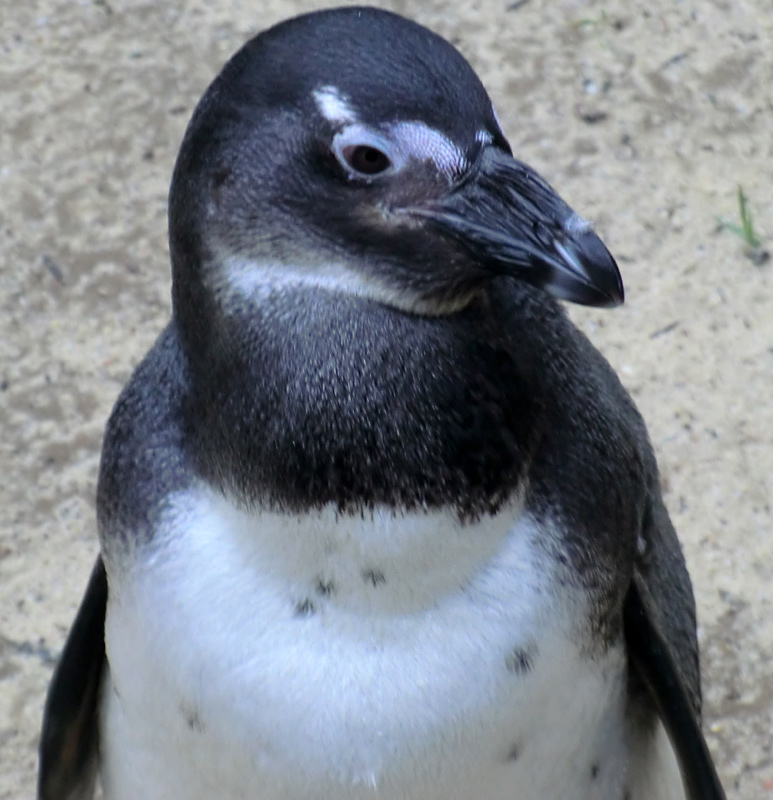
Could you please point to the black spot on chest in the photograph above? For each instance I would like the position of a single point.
(520, 660)
(192, 717)
(514, 753)
(325, 588)
(305, 608)
(375, 577)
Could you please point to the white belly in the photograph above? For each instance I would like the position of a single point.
(257, 656)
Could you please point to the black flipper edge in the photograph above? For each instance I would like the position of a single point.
(69, 737)
(653, 663)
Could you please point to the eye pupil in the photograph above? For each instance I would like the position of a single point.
(366, 159)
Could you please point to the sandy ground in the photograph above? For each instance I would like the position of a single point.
(647, 117)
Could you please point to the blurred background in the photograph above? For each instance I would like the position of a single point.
(653, 119)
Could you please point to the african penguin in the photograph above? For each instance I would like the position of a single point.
(376, 521)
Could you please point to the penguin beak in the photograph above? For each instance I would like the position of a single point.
(513, 223)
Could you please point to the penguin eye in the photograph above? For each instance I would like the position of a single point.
(366, 159)
(364, 153)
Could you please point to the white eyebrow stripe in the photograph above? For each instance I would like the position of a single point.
(333, 106)
(419, 140)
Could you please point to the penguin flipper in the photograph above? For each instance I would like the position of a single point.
(659, 624)
(69, 737)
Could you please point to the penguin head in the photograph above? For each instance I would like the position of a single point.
(355, 150)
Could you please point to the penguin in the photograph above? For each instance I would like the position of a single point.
(376, 520)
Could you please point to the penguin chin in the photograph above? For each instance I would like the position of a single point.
(240, 278)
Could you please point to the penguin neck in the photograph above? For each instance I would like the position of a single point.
(313, 398)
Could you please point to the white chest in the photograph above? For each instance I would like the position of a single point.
(264, 656)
